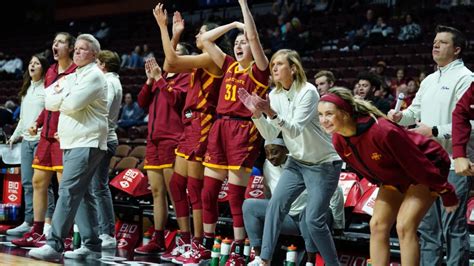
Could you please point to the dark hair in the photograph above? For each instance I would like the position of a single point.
(223, 42)
(459, 40)
(371, 78)
(186, 47)
(26, 75)
(70, 39)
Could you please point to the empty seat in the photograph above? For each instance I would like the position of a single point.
(138, 152)
(126, 163)
(123, 150)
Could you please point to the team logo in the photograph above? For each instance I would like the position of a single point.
(376, 156)
(256, 193)
(124, 184)
(12, 197)
(122, 243)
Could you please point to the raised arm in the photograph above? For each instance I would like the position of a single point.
(209, 37)
(173, 62)
(259, 56)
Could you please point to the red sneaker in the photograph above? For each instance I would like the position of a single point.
(235, 259)
(198, 254)
(180, 248)
(68, 246)
(29, 239)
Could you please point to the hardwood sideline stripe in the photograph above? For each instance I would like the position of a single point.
(7, 259)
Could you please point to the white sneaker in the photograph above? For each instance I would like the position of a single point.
(47, 230)
(45, 252)
(19, 230)
(82, 253)
(257, 261)
(108, 241)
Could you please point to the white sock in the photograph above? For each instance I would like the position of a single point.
(309, 264)
(47, 230)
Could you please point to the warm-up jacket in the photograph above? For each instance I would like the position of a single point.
(48, 119)
(461, 125)
(165, 100)
(386, 153)
(83, 109)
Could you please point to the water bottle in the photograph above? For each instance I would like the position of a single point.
(216, 252)
(76, 237)
(291, 256)
(247, 251)
(218, 240)
(225, 251)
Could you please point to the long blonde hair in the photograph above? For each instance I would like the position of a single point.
(294, 60)
(360, 107)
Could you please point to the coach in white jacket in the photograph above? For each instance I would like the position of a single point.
(82, 100)
(433, 106)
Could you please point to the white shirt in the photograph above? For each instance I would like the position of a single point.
(434, 102)
(83, 106)
(271, 176)
(114, 100)
(299, 123)
(31, 106)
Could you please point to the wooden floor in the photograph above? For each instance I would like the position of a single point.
(12, 255)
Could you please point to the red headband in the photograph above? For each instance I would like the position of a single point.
(338, 101)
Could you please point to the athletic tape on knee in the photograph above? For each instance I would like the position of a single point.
(194, 190)
(178, 193)
(210, 192)
(236, 200)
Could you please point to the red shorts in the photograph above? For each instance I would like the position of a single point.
(193, 143)
(232, 144)
(160, 154)
(48, 156)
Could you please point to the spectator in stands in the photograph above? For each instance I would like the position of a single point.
(131, 114)
(147, 53)
(233, 144)
(357, 38)
(12, 68)
(324, 80)
(82, 100)
(370, 89)
(410, 31)
(12, 107)
(136, 58)
(390, 156)
(409, 90)
(32, 99)
(380, 69)
(198, 114)
(109, 63)
(398, 80)
(379, 32)
(433, 106)
(103, 33)
(313, 164)
(461, 128)
(294, 223)
(48, 156)
(3, 59)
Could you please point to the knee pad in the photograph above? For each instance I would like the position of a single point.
(236, 200)
(210, 192)
(178, 194)
(194, 190)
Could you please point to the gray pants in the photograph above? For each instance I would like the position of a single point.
(254, 216)
(100, 182)
(28, 150)
(76, 195)
(320, 181)
(438, 227)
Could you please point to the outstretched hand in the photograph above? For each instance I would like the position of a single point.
(178, 24)
(161, 15)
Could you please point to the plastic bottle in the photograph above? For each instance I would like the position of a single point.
(146, 237)
(369, 262)
(225, 251)
(218, 240)
(247, 251)
(215, 254)
(290, 256)
(76, 237)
